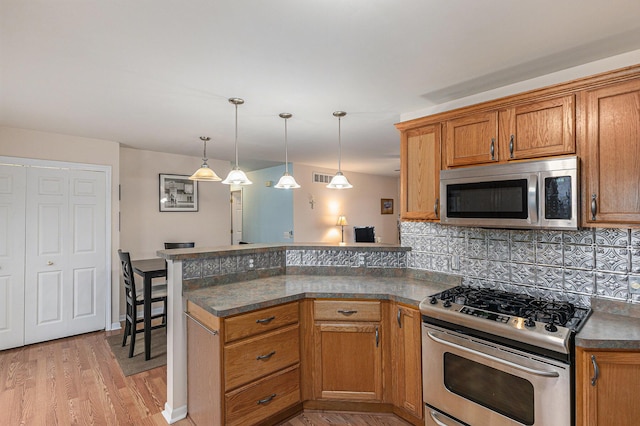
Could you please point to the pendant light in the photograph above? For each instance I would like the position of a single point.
(236, 176)
(205, 173)
(286, 181)
(339, 181)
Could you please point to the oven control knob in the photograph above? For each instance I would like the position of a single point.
(529, 322)
(551, 327)
(447, 303)
(434, 300)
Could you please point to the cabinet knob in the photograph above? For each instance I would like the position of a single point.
(49, 263)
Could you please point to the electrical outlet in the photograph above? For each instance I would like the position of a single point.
(455, 262)
(634, 285)
(285, 234)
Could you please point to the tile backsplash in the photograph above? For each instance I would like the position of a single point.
(566, 265)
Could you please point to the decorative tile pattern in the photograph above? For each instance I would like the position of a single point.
(613, 286)
(191, 269)
(522, 251)
(579, 281)
(210, 267)
(294, 257)
(612, 259)
(612, 237)
(276, 259)
(228, 265)
(498, 250)
(583, 236)
(549, 277)
(549, 254)
(581, 257)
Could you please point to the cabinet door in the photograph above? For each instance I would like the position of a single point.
(204, 387)
(348, 360)
(472, 140)
(407, 361)
(610, 155)
(612, 399)
(420, 173)
(538, 129)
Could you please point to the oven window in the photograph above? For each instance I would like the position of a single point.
(503, 199)
(501, 392)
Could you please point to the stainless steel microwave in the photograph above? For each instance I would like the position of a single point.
(530, 194)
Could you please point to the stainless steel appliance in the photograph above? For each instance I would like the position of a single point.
(496, 358)
(531, 194)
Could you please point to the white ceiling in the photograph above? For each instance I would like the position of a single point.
(156, 74)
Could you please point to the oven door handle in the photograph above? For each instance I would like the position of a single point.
(542, 373)
(435, 416)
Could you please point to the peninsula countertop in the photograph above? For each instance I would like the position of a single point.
(235, 298)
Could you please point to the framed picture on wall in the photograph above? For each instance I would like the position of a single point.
(178, 193)
(386, 206)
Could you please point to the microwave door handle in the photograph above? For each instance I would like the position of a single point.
(532, 198)
(542, 373)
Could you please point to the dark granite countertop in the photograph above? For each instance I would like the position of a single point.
(230, 299)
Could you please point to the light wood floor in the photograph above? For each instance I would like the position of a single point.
(77, 381)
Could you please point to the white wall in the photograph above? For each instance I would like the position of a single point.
(586, 70)
(361, 206)
(51, 146)
(144, 229)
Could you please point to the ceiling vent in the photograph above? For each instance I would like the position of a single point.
(321, 178)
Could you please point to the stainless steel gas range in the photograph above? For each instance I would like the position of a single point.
(491, 357)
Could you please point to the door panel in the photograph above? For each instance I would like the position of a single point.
(12, 228)
(66, 271)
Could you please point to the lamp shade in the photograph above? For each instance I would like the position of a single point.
(339, 181)
(237, 177)
(287, 182)
(342, 220)
(205, 173)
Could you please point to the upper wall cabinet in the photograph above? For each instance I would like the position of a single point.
(610, 151)
(531, 130)
(420, 173)
(538, 129)
(472, 140)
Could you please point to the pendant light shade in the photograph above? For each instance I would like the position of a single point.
(286, 181)
(236, 176)
(339, 181)
(205, 173)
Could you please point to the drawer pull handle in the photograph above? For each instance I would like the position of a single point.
(347, 313)
(267, 356)
(267, 399)
(265, 320)
(596, 371)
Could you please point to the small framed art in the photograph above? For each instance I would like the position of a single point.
(178, 193)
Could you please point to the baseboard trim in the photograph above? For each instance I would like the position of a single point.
(172, 415)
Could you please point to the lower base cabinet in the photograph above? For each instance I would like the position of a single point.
(242, 370)
(358, 355)
(607, 387)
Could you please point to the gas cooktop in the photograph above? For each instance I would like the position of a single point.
(519, 317)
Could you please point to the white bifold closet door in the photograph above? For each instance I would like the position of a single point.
(64, 270)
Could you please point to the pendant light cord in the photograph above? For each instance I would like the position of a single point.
(286, 149)
(237, 166)
(339, 146)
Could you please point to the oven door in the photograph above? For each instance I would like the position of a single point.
(481, 383)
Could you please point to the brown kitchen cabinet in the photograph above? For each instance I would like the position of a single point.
(472, 139)
(420, 165)
(607, 387)
(243, 370)
(610, 149)
(527, 130)
(407, 360)
(348, 348)
(538, 129)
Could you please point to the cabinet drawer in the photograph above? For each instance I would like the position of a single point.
(332, 310)
(264, 398)
(260, 321)
(259, 356)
